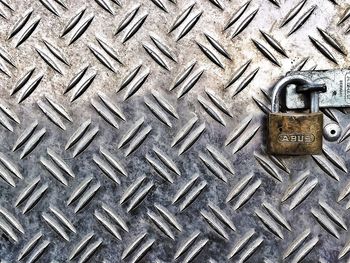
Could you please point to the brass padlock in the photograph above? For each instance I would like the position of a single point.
(294, 133)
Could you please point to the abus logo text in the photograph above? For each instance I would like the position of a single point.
(296, 138)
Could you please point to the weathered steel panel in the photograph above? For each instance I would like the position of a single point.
(136, 131)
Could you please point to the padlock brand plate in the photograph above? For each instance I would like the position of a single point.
(296, 138)
(295, 134)
(338, 89)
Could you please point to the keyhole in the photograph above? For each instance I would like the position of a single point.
(280, 129)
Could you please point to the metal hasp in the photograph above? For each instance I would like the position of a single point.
(295, 133)
(338, 89)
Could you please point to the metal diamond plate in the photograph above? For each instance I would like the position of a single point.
(135, 131)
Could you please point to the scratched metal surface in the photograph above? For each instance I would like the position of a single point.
(148, 145)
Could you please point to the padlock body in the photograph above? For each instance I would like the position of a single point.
(295, 134)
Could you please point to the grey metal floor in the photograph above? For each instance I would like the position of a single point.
(149, 145)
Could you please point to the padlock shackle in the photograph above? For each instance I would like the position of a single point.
(284, 82)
